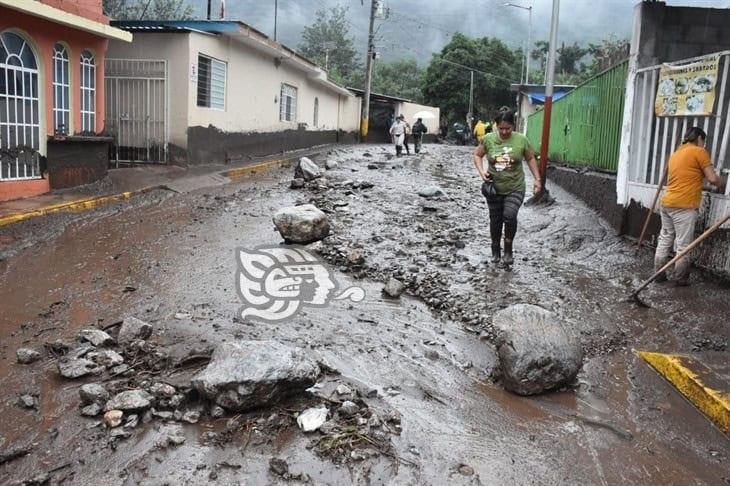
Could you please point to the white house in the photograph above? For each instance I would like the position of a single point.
(209, 91)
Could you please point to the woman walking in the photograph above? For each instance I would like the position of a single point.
(504, 181)
(688, 166)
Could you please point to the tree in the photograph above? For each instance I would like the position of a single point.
(568, 57)
(148, 9)
(400, 78)
(327, 42)
(540, 53)
(447, 86)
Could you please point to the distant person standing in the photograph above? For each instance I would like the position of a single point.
(398, 132)
(687, 168)
(418, 130)
(480, 129)
(405, 137)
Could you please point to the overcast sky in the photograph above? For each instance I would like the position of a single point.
(417, 28)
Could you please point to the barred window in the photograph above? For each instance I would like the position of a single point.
(61, 86)
(211, 83)
(288, 103)
(88, 92)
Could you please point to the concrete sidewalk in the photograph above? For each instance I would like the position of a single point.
(124, 183)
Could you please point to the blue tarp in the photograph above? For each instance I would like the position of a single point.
(539, 98)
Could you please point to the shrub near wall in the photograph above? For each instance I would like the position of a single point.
(586, 123)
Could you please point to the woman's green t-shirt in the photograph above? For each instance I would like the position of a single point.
(505, 161)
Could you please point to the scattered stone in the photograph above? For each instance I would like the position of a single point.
(312, 418)
(176, 438)
(431, 191)
(27, 401)
(163, 415)
(465, 470)
(82, 351)
(366, 185)
(248, 374)
(93, 393)
(535, 352)
(216, 411)
(96, 337)
(91, 410)
(119, 369)
(355, 258)
(343, 390)
(133, 329)
(183, 315)
(373, 166)
(367, 154)
(278, 466)
(177, 400)
(297, 183)
(394, 288)
(162, 390)
(348, 409)
(113, 418)
(191, 417)
(301, 224)
(119, 433)
(372, 393)
(132, 421)
(307, 170)
(331, 165)
(27, 355)
(76, 367)
(130, 400)
(106, 357)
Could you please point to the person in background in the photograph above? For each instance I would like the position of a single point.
(405, 137)
(687, 168)
(398, 132)
(505, 150)
(418, 130)
(480, 129)
(391, 120)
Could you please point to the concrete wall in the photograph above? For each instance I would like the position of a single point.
(409, 109)
(77, 160)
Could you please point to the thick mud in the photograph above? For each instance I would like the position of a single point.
(429, 354)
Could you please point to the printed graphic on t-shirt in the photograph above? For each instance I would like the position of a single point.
(504, 160)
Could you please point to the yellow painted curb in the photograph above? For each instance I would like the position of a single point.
(677, 370)
(249, 169)
(78, 205)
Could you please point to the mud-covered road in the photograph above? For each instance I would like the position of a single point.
(169, 259)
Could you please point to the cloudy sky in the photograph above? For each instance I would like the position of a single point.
(417, 28)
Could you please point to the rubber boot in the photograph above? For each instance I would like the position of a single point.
(496, 253)
(508, 258)
(682, 270)
(398, 150)
(659, 263)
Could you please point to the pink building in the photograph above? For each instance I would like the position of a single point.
(52, 94)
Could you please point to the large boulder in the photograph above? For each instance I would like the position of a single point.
(535, 351)
(301, 224)
(307, 170)
(249, 374)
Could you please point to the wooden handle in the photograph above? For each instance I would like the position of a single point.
(653, 207)
(682, 253)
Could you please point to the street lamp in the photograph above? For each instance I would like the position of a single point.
(529, 38)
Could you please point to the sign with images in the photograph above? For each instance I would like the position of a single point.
(193, 72)
(687, 90)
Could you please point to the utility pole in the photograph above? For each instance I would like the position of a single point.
(368, 73)
(526, 62)
(276, 15)
(209, 2)
(549, 93)
(470, 115)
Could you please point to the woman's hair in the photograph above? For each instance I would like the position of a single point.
(505, 116)
(693, 134)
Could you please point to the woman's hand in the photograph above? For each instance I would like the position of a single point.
(486, 177)
(537, 187)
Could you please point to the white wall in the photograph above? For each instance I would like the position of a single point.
(409, 109)
(253, 89)
(174, 49)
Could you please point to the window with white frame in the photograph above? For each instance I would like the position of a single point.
(61, 88)
(19, 109)
(88, 92)
(288, 103)
(211, 83)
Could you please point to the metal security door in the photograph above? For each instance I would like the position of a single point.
(136, 110)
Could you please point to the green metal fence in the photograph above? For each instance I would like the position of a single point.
(586, 123)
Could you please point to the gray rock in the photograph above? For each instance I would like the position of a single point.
(162, 390)
(77, 367)
(133, 329)
(164, 415)
(27, 355)
(96, 337)
(373, 166)
(431, 191)
(331, 165)
(191, 417)
(394, 288)
(348, 409)
(130, 400)
(278, 467)
(307, 170)
(119, 369)
(176, 438)
(93, 393)
(297, 183)
(132, 421)
(177, 400)
(343, 390)
(113, 418)
(248, 374)
(119, 433)
(106, 357)
(216, 411)
(301, 224)
(535, 352)
(81, 351)
(91, 410)
(312, 418)
(27, 401)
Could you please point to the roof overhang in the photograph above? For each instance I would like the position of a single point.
(58, 16)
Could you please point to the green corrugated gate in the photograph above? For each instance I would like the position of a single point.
(586, 123)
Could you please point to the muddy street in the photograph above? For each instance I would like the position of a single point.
(421, 370)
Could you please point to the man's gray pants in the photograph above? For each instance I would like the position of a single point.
(678, 230)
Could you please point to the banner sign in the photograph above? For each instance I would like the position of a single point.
(687, 90)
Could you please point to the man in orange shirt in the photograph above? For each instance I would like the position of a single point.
(688, 166)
